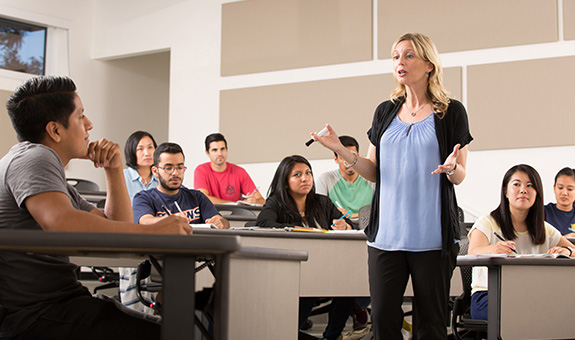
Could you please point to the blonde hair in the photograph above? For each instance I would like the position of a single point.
(425, 50)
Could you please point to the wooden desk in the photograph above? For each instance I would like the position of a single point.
(178, 253)
(529, 298)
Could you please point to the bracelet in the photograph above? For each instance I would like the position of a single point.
(570, 250)
(449, 173)
(355, 158)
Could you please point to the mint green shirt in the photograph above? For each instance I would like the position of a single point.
(350, 196)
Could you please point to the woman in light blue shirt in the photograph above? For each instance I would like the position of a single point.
(139, 152)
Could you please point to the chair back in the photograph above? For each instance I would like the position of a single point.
(83, 185)
(363, 216)
(466, 273)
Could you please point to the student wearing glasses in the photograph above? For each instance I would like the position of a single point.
(169, 168)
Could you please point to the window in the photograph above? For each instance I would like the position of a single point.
(22, 47)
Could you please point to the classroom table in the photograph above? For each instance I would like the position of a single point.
(529, 297)
(337, 261)
(177, 252)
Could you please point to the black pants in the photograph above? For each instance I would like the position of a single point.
(430, 273)
(338, 313)
(89, 318)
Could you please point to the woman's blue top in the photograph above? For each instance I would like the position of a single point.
(410, 197)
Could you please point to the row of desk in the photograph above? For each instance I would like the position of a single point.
(261, 274)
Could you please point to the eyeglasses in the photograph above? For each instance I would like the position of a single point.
(170, 168)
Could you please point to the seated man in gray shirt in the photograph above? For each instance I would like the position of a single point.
(40, 293)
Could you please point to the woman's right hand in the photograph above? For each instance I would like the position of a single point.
(329, 140)
(504, 247)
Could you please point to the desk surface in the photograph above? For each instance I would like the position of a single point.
(281, 233)
(129, 245)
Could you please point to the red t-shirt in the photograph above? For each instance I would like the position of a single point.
(229, 184)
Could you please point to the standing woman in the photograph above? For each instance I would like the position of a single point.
(418, 151)
(139, 152)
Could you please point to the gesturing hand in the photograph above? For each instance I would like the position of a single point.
(450, 162)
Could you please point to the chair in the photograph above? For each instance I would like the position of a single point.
(462, 325)
(234, 210)
(363, 216)
(83, 185)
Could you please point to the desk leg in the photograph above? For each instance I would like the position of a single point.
(494, 303)
(222, 297)
(179, 298)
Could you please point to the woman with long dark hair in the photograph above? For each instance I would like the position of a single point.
(517, 225)
(292, 202)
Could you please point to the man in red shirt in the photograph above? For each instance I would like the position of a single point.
(221, 181)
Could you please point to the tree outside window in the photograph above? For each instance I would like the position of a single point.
(22, 47)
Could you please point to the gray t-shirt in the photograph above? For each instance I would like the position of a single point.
(29, 282)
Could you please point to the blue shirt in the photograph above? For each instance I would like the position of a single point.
(561, 220)
(410, 197)
(194, 204)
(134, 182)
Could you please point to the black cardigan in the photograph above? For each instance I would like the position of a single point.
(273, 215)
(450, 130)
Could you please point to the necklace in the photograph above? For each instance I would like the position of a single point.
(416, 111)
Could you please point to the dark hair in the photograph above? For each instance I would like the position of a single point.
(131, 145)
(278, 189)
(215, 137)
(172, 148)
(567, 171)
(38, 101)
(348, 141)
(535, 218)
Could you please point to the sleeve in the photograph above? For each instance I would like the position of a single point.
(247, 184)
(322, 185)
(486, 226)
(35, 172)
(80, 201)
(142, 206)
(462, 134)
(201, 178)
(207, 208)
(269, 216)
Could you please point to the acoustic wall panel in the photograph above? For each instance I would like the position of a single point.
(460, 25)
(265, 124)
(522, 104)
(270, 35)
(569, 19)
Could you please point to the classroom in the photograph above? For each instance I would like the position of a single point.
(267, 73)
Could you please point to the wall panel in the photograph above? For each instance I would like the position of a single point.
(269, 35)
(569, 19)
(460, 25)
(522, 104)
(265, 124)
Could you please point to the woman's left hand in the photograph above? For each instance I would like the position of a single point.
(559, 250)
(339, 225)
(450, 162)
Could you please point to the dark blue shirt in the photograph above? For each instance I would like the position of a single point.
(194, 204)
(561, 220)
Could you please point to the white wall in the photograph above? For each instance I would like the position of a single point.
(191, 29)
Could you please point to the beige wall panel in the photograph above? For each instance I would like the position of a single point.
(460, 25)
(269, 35)
(265, 124)
(569, 19)
(7, 133)
(522, 104)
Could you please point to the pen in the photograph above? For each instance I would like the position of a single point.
(502, 239)
(344, 215)
(178, 206)
(571, 230)
(166, 210)
(337, 203)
